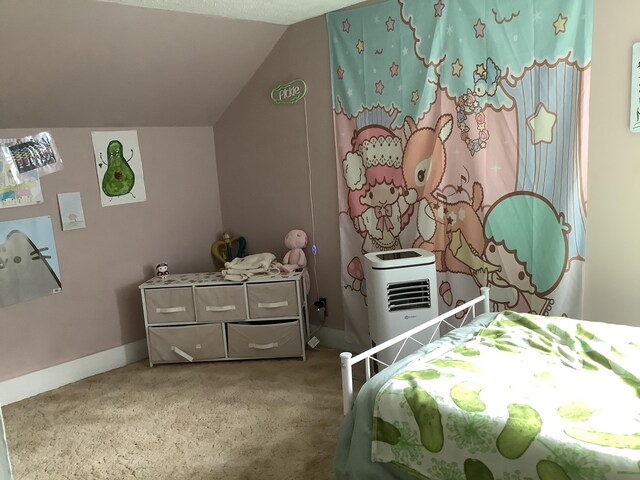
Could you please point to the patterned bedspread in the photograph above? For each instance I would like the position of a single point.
(527, 398)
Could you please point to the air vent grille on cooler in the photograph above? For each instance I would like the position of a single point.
(408, 295)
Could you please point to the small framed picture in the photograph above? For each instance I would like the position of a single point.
(634, 123)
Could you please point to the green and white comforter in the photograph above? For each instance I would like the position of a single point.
(527, 398)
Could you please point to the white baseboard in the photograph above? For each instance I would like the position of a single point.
(333, 338)
(26, 386)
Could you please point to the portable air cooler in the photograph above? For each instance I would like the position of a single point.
(401, 294)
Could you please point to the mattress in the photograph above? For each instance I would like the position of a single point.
(353, 452)
(518, 397)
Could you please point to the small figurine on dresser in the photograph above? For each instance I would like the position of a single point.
(162, 271)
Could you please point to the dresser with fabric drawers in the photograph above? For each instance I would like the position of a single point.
(200, 317)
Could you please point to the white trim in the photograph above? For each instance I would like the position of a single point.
(334, 338)
(31, 384)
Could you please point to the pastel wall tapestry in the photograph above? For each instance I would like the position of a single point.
(28, 260)
(461, 128)
(119, 167)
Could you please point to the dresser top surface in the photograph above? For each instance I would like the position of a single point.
(212, 278)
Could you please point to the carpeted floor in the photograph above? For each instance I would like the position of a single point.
(267, 419)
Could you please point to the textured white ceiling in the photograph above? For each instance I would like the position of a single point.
(282, 12)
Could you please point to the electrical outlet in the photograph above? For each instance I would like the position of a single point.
(321, 303)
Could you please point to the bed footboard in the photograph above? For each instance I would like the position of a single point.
(347, 360)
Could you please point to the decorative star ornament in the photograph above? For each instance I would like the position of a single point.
(346, 26)
(438, 7)
(415, 96)
(340, 72)
(479, 28)
(541, 124)
(560, 25)
(379, 87)
(456, 68)
(481, 70)
(394, 69)
(391, 24)
(360, 46)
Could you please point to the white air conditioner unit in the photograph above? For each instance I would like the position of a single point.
(401, 294)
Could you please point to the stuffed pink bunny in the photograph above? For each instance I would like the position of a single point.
(295, 259)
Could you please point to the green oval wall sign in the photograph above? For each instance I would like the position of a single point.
(289, 93)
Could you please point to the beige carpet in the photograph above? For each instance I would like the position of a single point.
(267, 419)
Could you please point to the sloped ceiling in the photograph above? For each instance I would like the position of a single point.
(81, 63)
(283, 12)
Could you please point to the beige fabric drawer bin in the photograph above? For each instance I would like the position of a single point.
(270, 300)
(177, 344)
(264, 340)
(169, 305)
(220, 304)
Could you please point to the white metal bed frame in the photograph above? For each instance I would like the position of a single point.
(347, 360)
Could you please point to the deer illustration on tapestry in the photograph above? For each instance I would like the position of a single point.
(451, 230)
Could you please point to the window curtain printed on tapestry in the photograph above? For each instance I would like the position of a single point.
(461, 128)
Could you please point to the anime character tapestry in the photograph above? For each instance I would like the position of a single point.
(461, 128)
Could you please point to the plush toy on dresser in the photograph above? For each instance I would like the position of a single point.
(295, 259)
(162, 271)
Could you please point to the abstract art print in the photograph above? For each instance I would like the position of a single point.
(28, 260)
(119, 167)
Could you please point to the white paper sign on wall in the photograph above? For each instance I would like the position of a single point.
(634, 122)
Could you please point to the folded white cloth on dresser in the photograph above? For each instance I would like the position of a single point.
(240, 269)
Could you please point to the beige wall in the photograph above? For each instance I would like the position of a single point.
(261, 162)
(613, 249)
(102, 265)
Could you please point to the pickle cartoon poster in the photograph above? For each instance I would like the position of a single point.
(119, 167)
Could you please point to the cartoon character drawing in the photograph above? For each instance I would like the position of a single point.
(440, 220)
(485, 78)
(119, 177)
(8, 197)
(526, 252)
(25, 272)
(380, 204)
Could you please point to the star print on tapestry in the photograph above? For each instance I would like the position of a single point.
(461, 128)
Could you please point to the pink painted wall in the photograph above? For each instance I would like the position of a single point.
(262, 152)
(73, 63)
(102, 265)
